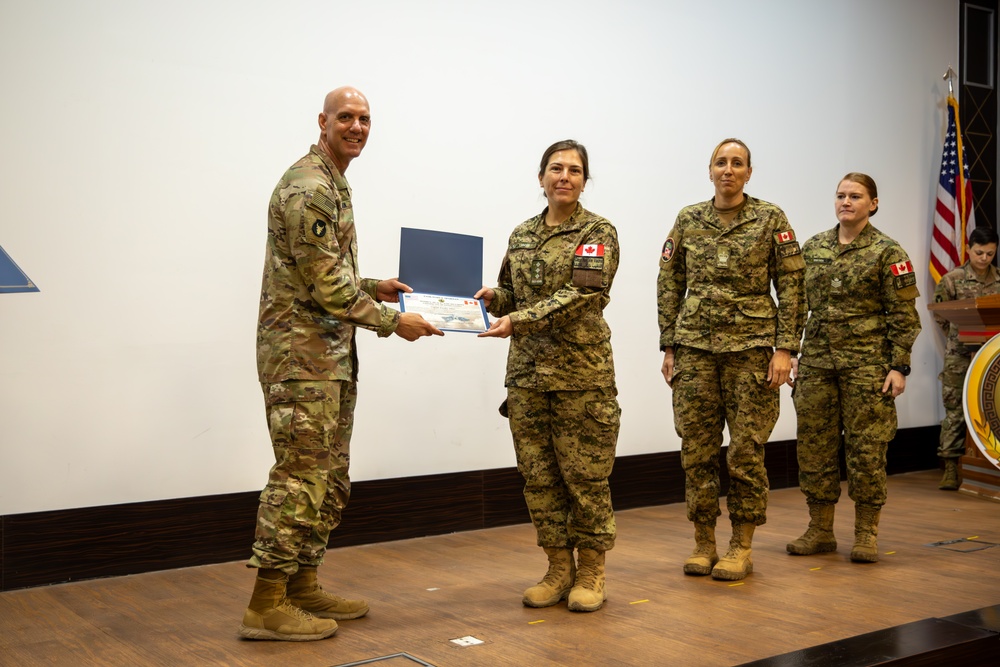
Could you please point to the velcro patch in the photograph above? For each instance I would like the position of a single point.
(590, 250)
(902, 268)
(323, 204)
(788, 249)
(668, 249)
(904, 280)
(787, 236)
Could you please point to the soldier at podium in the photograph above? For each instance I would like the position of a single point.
(977, 277)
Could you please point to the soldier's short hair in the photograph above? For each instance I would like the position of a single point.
(983, 236)
(566, 145)
(867, 182)
(730, 140)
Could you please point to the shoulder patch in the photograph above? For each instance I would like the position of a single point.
(787, 236)
(668, 249)
(589, 256)
(323, 204)
(902, 268)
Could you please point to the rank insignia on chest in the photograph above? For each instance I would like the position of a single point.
(835, 285)
(722, 257)
(589, 256)
(668, 249)
(536, 275)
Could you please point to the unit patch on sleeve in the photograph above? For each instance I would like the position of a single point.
(668, 249)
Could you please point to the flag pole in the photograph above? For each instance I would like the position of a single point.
(949, 76)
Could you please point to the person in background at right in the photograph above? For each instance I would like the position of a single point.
(977, 277)
(860, 289)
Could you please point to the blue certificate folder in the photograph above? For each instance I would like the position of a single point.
(13, 279)
(440, 262)
(447, 265)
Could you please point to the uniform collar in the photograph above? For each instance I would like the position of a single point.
(574, 222)
(867, 236)
(745, 214)
(338, 179)
(992, 275)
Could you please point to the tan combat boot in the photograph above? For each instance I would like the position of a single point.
(305, 593)
(704, 556)
(818, 537)
(557, 581)
(950, 480)
(271, 616)
(865, 531)
(737, 563)
(588, 592)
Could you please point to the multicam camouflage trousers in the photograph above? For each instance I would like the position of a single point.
(711, 390)
(310, 423)
(952, 444)
(851, 401)
(565, 445)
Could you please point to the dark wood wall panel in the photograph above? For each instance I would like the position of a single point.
(66, 545)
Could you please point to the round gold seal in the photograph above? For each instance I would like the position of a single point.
(981, 399)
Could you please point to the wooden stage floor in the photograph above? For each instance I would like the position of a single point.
(426, 592)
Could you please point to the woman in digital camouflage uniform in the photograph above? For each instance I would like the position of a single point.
(727, 349)
(861, 290)
(554, 284)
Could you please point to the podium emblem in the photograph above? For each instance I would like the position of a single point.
(981, 399)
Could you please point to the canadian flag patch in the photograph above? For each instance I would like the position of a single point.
(902, 268)
(590, 250)
(786, 236)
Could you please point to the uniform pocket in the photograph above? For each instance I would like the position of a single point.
(606, 412)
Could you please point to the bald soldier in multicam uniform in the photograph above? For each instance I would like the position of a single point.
(312, 301)
(977, 277)
(861, 288)
(727, 349)
(554, 284)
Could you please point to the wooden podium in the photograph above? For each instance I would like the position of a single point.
(978, 321)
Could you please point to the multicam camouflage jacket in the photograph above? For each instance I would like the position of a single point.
(312, 297)
(554, 283)
(861, 301)
(714, 287)
(963, 283)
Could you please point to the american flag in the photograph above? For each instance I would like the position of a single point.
(954, 216)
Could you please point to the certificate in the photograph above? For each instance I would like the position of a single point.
(448, 313)
(444, 270)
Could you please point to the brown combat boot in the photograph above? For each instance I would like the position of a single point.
(737, 563)
(865, 531)
(556, 583)
(305, 593)
(704, 556)
(588, 592)
(818, 537)
(950, 481)
(271, 616)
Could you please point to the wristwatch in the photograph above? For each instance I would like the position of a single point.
(903, 370)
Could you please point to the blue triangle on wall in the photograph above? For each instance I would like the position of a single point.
(13, 279)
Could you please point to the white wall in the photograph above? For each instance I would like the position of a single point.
(141, 140)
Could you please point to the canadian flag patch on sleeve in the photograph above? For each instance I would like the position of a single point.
(786, 236)
(903, 275)
(902, 268)
(589, 256)
(590, 250)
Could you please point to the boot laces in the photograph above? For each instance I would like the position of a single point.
(289, 608)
